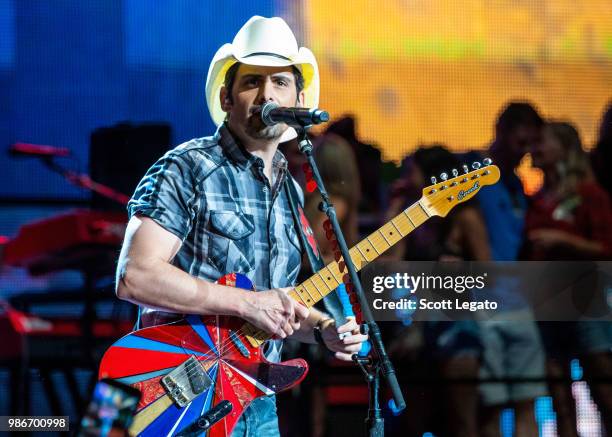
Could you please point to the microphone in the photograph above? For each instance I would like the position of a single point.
(207, 419)
(25, 149)
(272, 114)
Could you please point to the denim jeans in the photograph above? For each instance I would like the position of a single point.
(259, 419)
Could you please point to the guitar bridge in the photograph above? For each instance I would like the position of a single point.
(186, 382)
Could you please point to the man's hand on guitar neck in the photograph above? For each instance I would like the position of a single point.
(275, 312)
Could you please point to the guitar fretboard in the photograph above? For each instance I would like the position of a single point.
(367, 250)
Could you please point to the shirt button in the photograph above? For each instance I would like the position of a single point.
(265, 189)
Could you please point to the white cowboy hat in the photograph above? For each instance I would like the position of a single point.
(265, 42)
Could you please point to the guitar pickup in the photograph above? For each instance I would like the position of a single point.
(186, 382)
(239, 344)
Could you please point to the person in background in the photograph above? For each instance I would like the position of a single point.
(458, 236)
(570, 218)
(369, 165)
(453, 346)
(601, 156)
(338, 167)
(512, 349)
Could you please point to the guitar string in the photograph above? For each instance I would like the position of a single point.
(230, 342)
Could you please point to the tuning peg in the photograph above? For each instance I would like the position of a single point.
(434, 180)
(465, 169)
(487, 161)
(455, 173)
(443, 176)
(476, 165)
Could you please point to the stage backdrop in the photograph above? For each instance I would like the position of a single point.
(412, 71)
(68, 67)
(422, 71)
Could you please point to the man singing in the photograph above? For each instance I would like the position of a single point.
(215, 205)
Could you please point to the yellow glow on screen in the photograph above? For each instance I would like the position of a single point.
(422, 71)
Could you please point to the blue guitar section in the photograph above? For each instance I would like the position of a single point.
(196, 325)
(134, 342)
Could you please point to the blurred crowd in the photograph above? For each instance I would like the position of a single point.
(472, 370)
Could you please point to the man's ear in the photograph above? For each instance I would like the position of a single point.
(226, 100)
(300, 99)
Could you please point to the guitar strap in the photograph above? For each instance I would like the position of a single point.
(333, 303)
(337, 304)
(306, 235)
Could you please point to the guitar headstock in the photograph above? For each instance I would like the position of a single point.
(443, 196)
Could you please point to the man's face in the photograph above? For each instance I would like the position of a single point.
(518, 141)
(253, 87)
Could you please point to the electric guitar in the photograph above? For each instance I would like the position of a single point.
(185, 368)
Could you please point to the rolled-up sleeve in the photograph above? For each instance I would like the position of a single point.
(167, 194)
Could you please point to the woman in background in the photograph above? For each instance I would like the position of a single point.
(570, 218)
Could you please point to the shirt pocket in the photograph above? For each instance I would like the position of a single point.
(231, 242)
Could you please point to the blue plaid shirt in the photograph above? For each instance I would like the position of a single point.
(212, 194)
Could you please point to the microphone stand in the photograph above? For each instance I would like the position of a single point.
(379, 361)
(84, 181)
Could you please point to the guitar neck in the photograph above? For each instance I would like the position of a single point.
(367, 250)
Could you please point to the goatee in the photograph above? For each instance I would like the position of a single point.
(256, 129)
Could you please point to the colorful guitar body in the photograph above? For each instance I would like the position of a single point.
(213, 348)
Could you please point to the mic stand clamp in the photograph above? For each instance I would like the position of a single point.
(379, 361)
(375, 424)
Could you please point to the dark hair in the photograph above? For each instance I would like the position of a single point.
(605, 128)
(230, 77)
(518, 114)
(435, 159)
